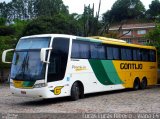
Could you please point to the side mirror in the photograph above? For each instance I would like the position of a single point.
(43, 54)
(4, 54)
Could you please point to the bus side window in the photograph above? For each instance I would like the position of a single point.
(75, 50)
(139, 55)
(116, 54)
(101, 52)
(109, 53)
(84, 50)
(80, 50)
(145, 55)
(135, 58)
(152, 56)
(123, 54)
(97, 51)
(126, 53)
(112, 53)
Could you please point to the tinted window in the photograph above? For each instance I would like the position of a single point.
(145, 55)
(126, 54)
(97, 51)
(91, 50)
(58, 59)
(152, 55)
(75, 50)
(112, 53)
(136, 55)
(139, 55)
(109, 53)
(80, 49)
(116, 53)
(84, 50)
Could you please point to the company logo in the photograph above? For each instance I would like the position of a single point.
(57, 90)
(130, 66)
(79, 68)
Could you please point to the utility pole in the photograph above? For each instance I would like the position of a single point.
(97, 15)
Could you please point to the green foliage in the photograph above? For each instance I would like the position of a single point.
(7, 42)
(19, 26)
(127, 9)
(154, 10)
(121, 12)
(107, 17)
(3, 10)
(89, 21)
(154, 36)
(2, 21)
(49, 7)
(30, 9)
(6, 30)
(57, 24)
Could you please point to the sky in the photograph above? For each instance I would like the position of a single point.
(77, 6)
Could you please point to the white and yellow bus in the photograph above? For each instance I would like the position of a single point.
(56, 65)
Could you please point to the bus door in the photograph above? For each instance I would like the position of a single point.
(58, 59)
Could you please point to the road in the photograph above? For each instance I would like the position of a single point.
(123, 101)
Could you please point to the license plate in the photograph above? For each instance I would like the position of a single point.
(23, 92)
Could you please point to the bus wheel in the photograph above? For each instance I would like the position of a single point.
(136, 84)
(144, 83)
(75, 92)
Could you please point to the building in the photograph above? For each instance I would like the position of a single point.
(133, 33)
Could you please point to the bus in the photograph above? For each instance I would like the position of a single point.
(59, 65)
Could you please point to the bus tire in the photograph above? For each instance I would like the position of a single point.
(136, 84)
(75, 92)
(81, 90)
(144, 83)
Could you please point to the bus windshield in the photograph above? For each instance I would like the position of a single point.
(26, 64)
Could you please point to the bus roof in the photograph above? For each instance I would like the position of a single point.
(114, 42)
(49, 35)
(107, 39)
(94, 39)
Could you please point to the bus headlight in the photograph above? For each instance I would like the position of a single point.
(40, 85)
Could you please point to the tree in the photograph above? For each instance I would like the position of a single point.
(3, 13)
(154, 36)
(121, 12)
(2, 21)
(125, 9)
(49, 7)
(107, 20)
(30, 9)
(89, 21)
(19, 26)
(154, 9)
(7, 42)
(6, 30)
(57, 24)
